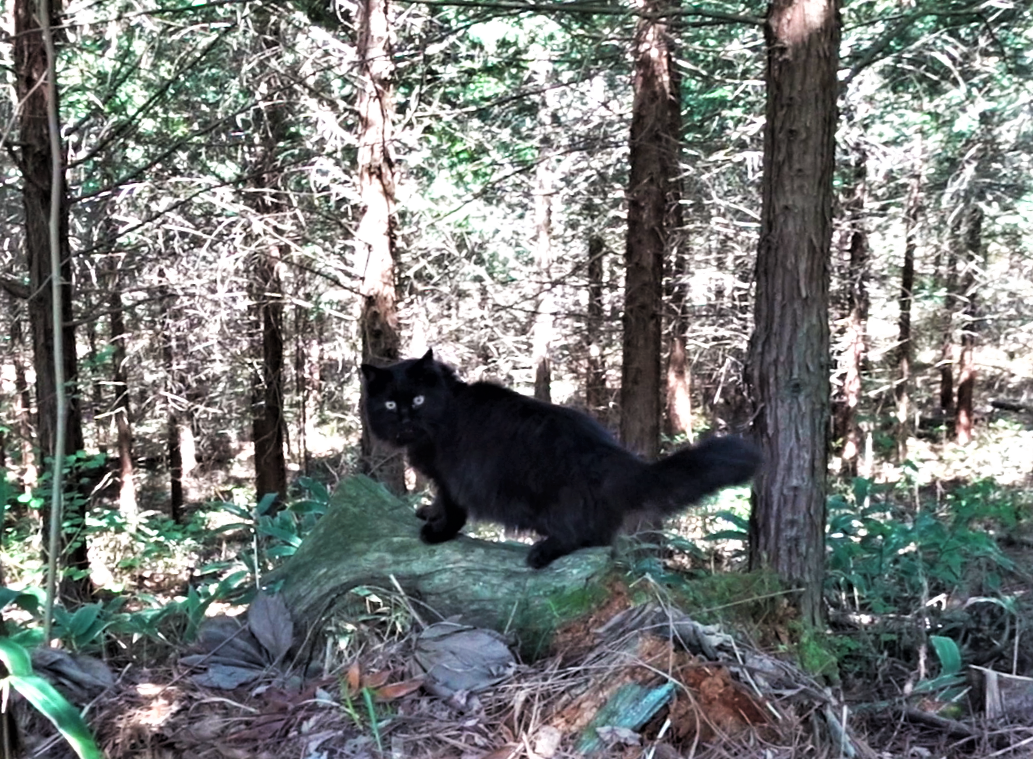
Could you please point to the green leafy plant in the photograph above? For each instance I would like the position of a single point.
(45, 699)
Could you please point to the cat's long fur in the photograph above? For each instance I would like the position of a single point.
(497, 455)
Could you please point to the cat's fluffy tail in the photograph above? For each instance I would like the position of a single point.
(681, 479)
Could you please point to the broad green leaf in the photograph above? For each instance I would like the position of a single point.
(54, 707)
(948, 653)
(15, 657)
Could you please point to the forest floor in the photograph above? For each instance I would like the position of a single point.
(640, 677)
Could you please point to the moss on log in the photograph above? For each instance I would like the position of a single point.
(368, 536)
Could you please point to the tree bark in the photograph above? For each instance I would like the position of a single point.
(375, 237)
(35, 162)
(370, 537)
(789, 351)
(653, 167)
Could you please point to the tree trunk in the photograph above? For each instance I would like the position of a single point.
(543, 331)
(789, 351)
(120, 384)
(905, 346)
(35, 161)
(973, 245)
(23, 408)
(173, 394)
(855, 347)
(267, 398)
(653, 167)
(301, 385)
(678, 398)
(949, 280)
(375, 238)
(595, 369)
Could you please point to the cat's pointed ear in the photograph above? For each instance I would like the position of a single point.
(428, 356)
(369, 373)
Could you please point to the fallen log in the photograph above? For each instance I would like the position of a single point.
(369, 537)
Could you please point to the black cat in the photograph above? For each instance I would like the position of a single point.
(497, 455)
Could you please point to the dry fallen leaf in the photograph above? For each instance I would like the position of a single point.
(397, 690)
(354, 676)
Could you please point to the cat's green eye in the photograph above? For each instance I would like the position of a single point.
(417, 401)
(390, 405)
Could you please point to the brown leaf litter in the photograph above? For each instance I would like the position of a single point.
(629, 681)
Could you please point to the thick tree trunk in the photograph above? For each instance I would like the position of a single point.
(370, 537)
(973, 245)
(375, 238)
(789, 351)
(653, 166)
(35, 160)
(855, 343)
(905, 347)
(595, 369)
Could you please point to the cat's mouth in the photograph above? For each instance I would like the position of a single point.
(407, 437)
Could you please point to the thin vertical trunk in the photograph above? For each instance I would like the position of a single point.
(35, 161)
(855, 348)
(269, 203)
(653, 166)
(267, 399)
(23, 408)
(679, 400)
(543, 331)
(949, 279)
(301, 385)
(375, 237)
(120, 384)
(973, 245)
(788, 362)
(595, 370)
(905, 345)
(173, 391)
(544, 319)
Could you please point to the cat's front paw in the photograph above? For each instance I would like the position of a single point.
(544, 552)
(433, 532)
(427, 511)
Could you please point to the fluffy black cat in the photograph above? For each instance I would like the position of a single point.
(497, 455)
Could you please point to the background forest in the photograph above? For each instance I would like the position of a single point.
(256, 197)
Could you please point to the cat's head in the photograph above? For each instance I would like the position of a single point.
(404, 401)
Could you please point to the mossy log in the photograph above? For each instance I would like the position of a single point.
(370, 537)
